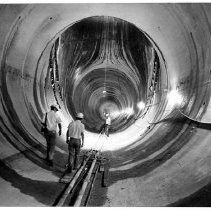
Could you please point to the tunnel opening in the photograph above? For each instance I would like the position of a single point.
(174, 158)
(105, 65)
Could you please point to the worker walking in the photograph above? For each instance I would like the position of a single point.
(106, 125)
(75, 140)
(50, 132)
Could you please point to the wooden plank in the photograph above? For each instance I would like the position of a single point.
(105, 181)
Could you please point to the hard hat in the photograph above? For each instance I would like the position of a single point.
(80, 115)
(54, 106)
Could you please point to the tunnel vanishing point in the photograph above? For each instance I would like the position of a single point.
(148, 65)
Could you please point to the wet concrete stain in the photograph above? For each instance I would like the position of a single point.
(201, 198)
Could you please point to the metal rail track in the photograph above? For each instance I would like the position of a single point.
(79, 188)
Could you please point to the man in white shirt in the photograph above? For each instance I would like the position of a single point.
(75, 140)
(51, 121)
(107, 124)
(105, 127)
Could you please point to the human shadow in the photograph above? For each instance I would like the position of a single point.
(44, 192)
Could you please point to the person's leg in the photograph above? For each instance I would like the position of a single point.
(77, 152)
(52, 145)
(71, 155)
(102, 129)
(106, 130)
(108, 126)
(47, 137)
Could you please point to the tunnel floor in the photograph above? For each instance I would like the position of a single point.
(111, 58)
(27, 184)
(30, 186)
(30, 183)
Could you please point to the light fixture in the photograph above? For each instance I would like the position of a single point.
(174, 98)
(141, 105)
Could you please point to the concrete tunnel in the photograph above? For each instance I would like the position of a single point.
(95, 58)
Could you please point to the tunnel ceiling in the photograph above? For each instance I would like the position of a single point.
(105, 65)
(168, 155)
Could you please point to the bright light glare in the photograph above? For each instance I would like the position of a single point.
(174, 98)
(141, 105)
(115, 114)
(127, 111)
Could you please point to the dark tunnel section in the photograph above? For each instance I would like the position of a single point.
(106, 65)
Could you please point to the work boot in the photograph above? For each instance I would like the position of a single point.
(49, 162)
(69, 169)
(76, 167)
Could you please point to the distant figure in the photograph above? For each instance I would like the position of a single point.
(75, 140)
(106, 125)
(51, 121)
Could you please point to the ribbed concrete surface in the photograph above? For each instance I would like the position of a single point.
(168, 163)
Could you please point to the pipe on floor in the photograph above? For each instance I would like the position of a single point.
(86, 182)
(71, 184)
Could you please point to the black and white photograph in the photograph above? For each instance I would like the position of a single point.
(105, 104)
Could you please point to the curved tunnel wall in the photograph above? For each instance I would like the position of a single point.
(176, 30)
(109, 63)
